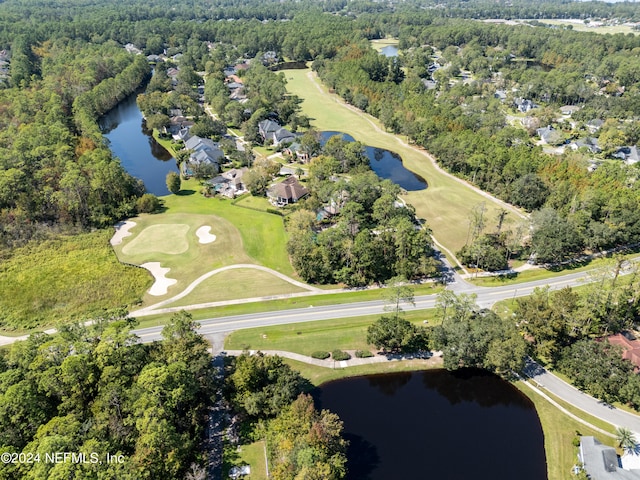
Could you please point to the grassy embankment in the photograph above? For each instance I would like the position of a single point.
(585, 27)
(69, 277)
(446, 203)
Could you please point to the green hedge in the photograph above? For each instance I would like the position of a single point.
(321, 355)
(339, 355)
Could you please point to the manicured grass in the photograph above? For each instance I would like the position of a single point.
(168, 238)
(253, 455)
(559, 432)
(257, 203)
(196, 260)
(306, 338)
(263, 235)
(232, 284)
(446, 204)
(65, 278)
(320, 375)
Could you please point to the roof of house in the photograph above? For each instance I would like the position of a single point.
(204, 150)
(283, 135)
(601, 461)
(628, 153)
(569, 109)
(630, 345)
(289, 189)
(267, 127)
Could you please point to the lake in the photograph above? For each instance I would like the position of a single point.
(133, 144)
(437, 425)
(386, 164)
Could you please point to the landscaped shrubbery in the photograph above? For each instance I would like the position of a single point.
(339, 355)
(363, 354)
(320, 354)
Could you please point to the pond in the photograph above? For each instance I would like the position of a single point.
(390, 51)
(386, 164)
(133, 144)
(437, 424)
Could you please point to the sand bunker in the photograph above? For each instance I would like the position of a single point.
(204, 236)
(162, 283)
(122, 231)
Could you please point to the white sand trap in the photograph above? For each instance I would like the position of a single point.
(162, 283)
(122, 231)
(204, 236)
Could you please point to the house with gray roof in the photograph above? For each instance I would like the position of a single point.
(271, 131)
(590, 143)
(629, 154)
(549, 135)
(524, 105)
(601, 462)
(203, 152)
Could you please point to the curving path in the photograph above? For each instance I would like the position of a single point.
(153, 309)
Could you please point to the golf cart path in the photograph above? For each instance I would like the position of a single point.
(202, 278)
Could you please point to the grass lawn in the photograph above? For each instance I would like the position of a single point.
(69, 277)
(257, 203)
(242, 236)
(559, 432)
(241, 283)
(446, 203)
(253, 455)
(306, 338)
(263, 235)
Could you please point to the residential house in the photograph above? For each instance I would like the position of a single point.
(594, 125)
(295, 150)
(271, 131)
(590, 143)
(131, 48)
(229, 183)
(500, 95)
(569, 109)
(601, 462)
(228, 71)
(181, 135)
(153, 58)
(524, 105)
(630, 345)
(203, 152)
(286, 192)
(549, 135)
(629, 154)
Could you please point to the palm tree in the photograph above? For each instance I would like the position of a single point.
(626, 439)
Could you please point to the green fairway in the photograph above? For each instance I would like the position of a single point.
(170, 239)
(240, 283)
(446, 204)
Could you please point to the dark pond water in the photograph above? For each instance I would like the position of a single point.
(437, 425)
(389, 51)
(386, 164)
(133, 144)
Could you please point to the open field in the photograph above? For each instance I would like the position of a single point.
(70, 277)
(580, 26)
(445, 204)
(251, 454)
(306, 338)
(237, 284)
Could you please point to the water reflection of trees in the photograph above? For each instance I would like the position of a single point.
(472, 385)
(389, 384)
(362, 457)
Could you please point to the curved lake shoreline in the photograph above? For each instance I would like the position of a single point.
(437, 424)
